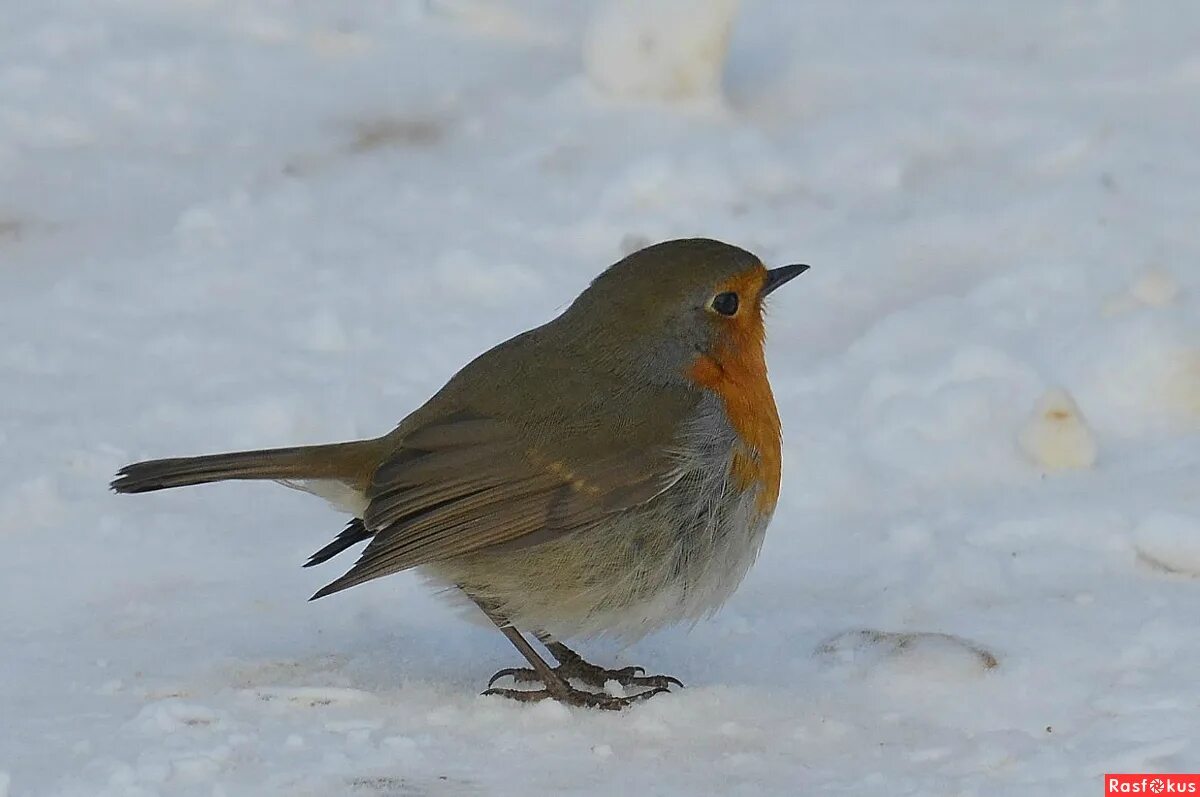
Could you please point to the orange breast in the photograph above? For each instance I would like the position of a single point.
(737, 372)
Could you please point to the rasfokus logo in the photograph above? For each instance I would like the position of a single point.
(1151, 784)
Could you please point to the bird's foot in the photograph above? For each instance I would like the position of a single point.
(571, 696)
(556, 684)
(587, 673)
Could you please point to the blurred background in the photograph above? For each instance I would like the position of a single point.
(229, 224)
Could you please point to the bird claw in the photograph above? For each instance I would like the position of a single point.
(518, 674)
(592, 675)
(576, 697)
(663, 681)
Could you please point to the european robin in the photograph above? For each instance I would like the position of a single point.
(609, 472)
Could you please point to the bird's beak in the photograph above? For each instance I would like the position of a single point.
(778, 276)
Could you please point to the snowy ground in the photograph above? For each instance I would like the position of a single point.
(239, 224)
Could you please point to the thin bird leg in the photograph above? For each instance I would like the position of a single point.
(544, 673)
(543, 670)
(572, 665)
(554, 687)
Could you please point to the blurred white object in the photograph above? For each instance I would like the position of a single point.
(659, 49)
(1155, 288)
(1057, 436)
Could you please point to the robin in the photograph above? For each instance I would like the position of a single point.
(609, 472)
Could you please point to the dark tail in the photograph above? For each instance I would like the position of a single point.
(348, 462)
(354, 533)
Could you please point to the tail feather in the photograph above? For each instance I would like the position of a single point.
(348, 462)
(354, 533)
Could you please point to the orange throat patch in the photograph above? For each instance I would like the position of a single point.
(737, 372)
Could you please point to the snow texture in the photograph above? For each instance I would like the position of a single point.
(236, 224)
(635, 49)
(1057, 436)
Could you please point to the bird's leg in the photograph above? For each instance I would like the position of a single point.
(554, 687)
(572, 665)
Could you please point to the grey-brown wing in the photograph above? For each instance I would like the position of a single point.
(468, 483)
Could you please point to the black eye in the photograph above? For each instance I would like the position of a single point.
(725, 303)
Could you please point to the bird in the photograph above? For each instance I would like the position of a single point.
(610, 472)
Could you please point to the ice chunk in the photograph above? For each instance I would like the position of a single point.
(1155, 288)
(659, 49)
(938, 657)
(1057, 436)
(1170, 542)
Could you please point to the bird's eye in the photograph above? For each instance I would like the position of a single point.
(725, 303)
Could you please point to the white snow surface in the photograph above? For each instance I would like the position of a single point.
(229, 223)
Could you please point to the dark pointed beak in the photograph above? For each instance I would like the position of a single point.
(778, 276)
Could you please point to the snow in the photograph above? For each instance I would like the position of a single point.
(633, 49)
(1057, 436)
(233, 224)
(1155, 288)
(1170, 542)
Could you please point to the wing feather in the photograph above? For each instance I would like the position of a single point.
(466, 483)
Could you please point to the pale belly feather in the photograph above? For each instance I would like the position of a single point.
(675, 559)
